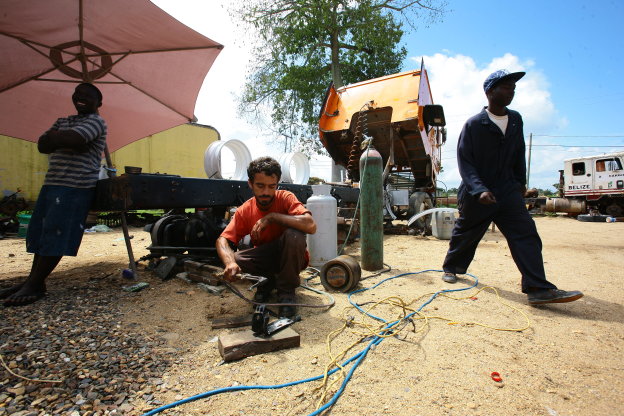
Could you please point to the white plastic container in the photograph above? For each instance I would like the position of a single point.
(442, 223)
(323, 245)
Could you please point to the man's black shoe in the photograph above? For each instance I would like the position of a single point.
(553, 296)
(287, 311)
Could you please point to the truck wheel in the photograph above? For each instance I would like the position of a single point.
(615, 210)
(419, 202)
(592, 218)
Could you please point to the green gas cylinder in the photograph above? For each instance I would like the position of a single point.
(371, 210)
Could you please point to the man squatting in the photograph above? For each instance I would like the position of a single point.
(277, 223)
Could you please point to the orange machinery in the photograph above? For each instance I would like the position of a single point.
(398, 113)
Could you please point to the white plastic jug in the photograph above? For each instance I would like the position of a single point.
(323, 245)
(442, 223)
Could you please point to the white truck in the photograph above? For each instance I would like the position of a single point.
(592, 183)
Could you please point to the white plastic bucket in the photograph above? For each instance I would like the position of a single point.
(323, 245)
(212, 159)
(298, 162)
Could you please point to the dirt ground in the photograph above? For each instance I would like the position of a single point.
(564, 359)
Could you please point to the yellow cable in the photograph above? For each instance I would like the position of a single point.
(26, 378)
(363, 329)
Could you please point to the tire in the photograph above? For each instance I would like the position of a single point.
(419, 202)
(592, 218)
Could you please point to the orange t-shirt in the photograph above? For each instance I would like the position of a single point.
(246, 216)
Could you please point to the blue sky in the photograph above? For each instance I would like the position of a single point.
(571, 51)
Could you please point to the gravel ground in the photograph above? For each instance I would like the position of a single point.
(98, 364)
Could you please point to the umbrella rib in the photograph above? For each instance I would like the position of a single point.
(35, 78)
(28, 43)
(83, 63)
(190, 48)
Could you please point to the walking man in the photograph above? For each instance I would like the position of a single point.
(491, 160)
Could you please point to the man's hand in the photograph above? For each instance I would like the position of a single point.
(487, 198)
(258, 227)
(231, 271)
(62, 139)
(44, 145)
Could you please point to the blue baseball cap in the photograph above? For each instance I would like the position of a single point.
(501, 75)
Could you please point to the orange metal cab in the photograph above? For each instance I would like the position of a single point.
(389, 109)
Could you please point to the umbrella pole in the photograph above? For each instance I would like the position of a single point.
(124, 222)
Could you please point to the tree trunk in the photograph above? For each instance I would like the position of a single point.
(335, 61)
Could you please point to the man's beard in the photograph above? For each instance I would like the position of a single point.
(265, 201)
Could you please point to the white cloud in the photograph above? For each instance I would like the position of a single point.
(457, 84)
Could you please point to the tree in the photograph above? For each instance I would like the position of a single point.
(303, 45)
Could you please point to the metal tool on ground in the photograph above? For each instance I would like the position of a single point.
(262, 328)
(260, 280)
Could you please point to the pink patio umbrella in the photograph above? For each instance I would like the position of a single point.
(148, 65)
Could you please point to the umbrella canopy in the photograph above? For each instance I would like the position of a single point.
(148, 65)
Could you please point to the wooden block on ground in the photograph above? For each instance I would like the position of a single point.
(245, 344)
(197, 267)
(232, 322)
(203, 272)
(204, 278)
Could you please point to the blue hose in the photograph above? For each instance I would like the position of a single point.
(358, 358)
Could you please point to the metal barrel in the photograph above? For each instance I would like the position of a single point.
(371, 210)
(572, 206)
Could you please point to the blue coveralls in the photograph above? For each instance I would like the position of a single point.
(491, 161)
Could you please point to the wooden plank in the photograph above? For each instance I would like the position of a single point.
(232, 322)
(245, 344)
(198, 267)
(203, 272)
(203, 278)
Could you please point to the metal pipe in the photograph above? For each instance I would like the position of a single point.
(529, 163)
(181, 248)
(124, 222)
(572, 206)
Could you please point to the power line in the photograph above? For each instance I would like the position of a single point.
(569, 145)
(588, 137)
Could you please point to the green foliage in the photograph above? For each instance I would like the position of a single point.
(304, 45)
(547, 192)
(313, 180)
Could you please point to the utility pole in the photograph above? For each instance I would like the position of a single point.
(529, 163)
